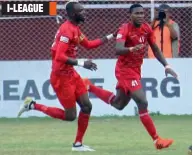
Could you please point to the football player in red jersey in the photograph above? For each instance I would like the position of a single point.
(130, 47)
(66, 82)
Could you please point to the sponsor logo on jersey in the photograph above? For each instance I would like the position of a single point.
(64, 39)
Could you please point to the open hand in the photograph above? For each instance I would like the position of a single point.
(88, 64)
(170, 71)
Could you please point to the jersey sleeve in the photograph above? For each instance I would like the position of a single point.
(61, 52)
(89, 44)
(151, 37)
(122, 33)
(65, 35)
(64, 39)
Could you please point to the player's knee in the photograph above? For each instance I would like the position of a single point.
(70, 116)
(142, 105)
(87, 108)
(117, 103)
(120, 107)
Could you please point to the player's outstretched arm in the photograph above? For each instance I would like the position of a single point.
(61, 56)
(158, 54)
(122, 50)
(90, 44)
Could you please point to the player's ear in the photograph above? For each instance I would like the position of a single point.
(72, 14)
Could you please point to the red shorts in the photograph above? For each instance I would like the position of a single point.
(68, 88)
(129, 85)
(128, 82)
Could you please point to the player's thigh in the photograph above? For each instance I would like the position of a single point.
(139, 97)
(67, 97)
(65, 91)
(82, 96)
(80, 89)
(136, 91)
(122, 94)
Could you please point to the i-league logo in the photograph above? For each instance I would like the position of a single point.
(29, 8)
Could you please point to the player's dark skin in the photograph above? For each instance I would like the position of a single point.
(83, 100)
(121, 99)
(80, 13)
(76, 17)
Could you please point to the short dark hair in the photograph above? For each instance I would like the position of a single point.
(70, 7)
(134, 6)
(164, 6)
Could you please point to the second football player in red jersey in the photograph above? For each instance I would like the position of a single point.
(66, 82)
(130, 47)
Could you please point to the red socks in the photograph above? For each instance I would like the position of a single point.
(104, 95)
(51, 111)
(146, 120)
(83, 120)
(148, 123)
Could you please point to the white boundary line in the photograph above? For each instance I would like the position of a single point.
(2, 18)
(103, 6)
(57, 17)
(125, 6)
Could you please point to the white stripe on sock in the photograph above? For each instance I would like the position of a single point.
(144, 114)
(110, 98)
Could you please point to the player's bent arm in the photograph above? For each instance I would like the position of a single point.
(90, 44)
(121, 49)
(60, 54)
(158, 54)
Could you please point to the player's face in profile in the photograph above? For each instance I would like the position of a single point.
(79, 13)
(137, 15)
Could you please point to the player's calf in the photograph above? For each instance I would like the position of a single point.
(54, 112)
(119, 101)
(83, 119)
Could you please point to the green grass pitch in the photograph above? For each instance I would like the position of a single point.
(108, 135)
